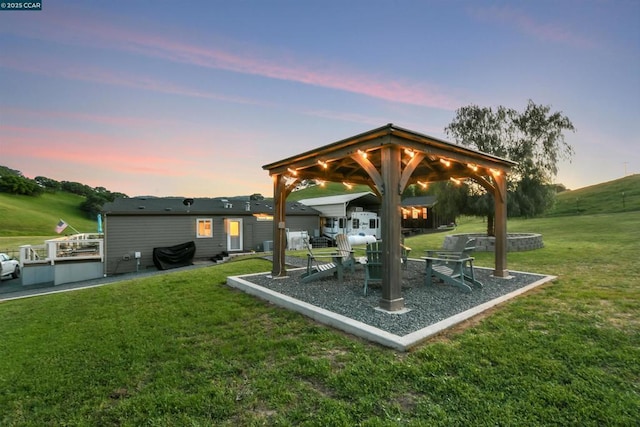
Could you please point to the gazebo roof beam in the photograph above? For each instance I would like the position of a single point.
(385, 135)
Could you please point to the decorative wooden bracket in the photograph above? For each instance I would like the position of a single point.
(371, 171)
(408, 171)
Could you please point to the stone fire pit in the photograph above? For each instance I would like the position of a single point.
(516, 242)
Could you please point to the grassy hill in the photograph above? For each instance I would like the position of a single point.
(329, 189)
(620, 195)
(38, 216)
(25, 219)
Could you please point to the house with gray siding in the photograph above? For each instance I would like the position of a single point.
(133, 227)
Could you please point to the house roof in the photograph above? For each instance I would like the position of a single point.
(203, 206)
(422, 201)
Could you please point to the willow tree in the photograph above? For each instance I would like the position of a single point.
(535, 138)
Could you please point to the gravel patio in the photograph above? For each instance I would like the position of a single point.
(428, 310)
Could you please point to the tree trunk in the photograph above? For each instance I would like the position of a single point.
(491, 229)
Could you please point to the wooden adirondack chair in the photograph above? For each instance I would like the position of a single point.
(373, 267)
(334, 262)
(458, 248)
(405, 253)
(452, 267)
(344, 249)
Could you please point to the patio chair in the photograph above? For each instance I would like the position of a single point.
(405, 253)
(344, 249)
(373, 267)
(452, 267)
(459, 246)
(323, 264)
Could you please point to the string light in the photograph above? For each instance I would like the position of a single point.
(422, 184)
(455, 181)
(349, 186)
(292, 171)
(472, 167)
(323, 164)
(409, 152)
(362, 153)
(320, 182)
(496, 172)
(445, 162)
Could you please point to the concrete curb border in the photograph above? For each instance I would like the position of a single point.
(362, 330)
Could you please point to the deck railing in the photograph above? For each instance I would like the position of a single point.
(84, 246)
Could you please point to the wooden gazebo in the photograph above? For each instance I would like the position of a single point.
(387, 159)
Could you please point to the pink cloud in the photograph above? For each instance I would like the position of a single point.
(84, 30)
(56, 68)
(122, 155)
(527, 25)
(201, 166)
(84, 117)
(144, 158)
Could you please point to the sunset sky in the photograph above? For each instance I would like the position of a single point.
(172, 98)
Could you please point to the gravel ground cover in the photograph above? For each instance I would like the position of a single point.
(427, 305)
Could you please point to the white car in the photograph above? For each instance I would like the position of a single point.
(9, 267)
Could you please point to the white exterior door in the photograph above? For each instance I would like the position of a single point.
(234, 234)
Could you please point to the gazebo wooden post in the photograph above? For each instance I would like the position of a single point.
(500, 201)
(392, 299)
(279, 268)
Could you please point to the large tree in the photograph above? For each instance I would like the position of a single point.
(534, 138)
(12, 181)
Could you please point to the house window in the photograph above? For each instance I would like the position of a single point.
(204, 228)
(414, 213)
(424, 213)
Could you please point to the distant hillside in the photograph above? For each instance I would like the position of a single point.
(620, 195)
(329, 189)
(38, 216)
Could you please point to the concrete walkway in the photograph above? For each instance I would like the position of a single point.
(13, 289)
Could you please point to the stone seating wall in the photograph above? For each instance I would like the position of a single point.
(516, 242)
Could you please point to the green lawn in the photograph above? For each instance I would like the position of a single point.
(184, 349)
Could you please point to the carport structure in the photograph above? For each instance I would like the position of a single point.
(387, 159)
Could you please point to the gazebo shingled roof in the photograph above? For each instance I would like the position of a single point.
(387, 159)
